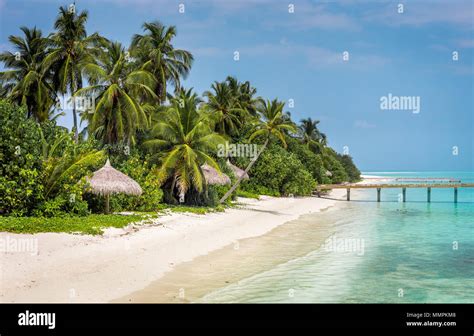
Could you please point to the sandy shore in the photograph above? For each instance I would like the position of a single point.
(81, 268)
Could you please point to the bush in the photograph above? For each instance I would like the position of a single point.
(352, 171)
(42, 170)
(20, 161)
(278, 172)
(312, 162)
(143, 172)
(333, 165)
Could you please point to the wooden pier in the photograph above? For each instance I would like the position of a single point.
(402, 186)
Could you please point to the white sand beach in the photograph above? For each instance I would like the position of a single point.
(83, 268)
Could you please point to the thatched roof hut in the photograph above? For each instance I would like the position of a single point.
(237, 171)
(108, 181)
(212, 176)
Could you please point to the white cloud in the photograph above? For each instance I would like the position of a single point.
(465, 43)
(207, 51)
(316, 57)
(459, 13)
(312, 16)
(363, 124)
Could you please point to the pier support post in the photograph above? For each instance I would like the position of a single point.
(429, 194)
(404, 193)
(455, 195)
(348, 194)
(378, 194)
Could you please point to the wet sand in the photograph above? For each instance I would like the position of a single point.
(190, 281)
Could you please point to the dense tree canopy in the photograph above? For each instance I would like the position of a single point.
(163, 132)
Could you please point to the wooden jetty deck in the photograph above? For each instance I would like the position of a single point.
(403, 186)
(414, 179)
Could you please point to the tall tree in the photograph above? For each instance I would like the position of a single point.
(245, 95)
(184, 138)
(223, 106)
(310, 134)
(71, 47)
(27, 78)
(155, 52)
(273, 123)
(118, 110)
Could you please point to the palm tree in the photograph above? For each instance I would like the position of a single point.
(70, 48)
(185, 135)
(117, 87)
(273, 124)
(244, 94)
(222, 104)
(27, 79)
(310, 134)
(155, 52)
(70, 165)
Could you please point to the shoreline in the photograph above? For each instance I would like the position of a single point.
(83, 268)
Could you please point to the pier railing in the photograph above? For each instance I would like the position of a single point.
(403, 186)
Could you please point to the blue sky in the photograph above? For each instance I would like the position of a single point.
(299, 56)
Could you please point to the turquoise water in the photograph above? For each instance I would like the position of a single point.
(380, 252)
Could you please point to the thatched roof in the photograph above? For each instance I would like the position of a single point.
(212, 176)
(108, 180)
(237, 171)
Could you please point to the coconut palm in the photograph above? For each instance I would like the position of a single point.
(223, 106)
(184, 138)
(273, 123)
(245, 95)
(155, 52)
(117, 87)
(64, 160)
(26, 80)
(310, 134)
(70, 48)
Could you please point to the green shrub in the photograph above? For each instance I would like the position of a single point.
(333, 165)
(143, 172)
(312, 162)
(247, 194)
(20, 162)
(279, 172)
(352, 171)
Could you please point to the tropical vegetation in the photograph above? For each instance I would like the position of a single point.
(142, 118)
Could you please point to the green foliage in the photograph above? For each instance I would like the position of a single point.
(154, 52)
(27, 80)
(182, 138)
(42, 170)
(212, 193)
(43, 167)
(199, 210)
(20, 156)
(333, 165)
(119, 111)
(350, 168)
(312, 162)
(92, 224)
(144, 173)
(230, 104)
(278, 172)
(311, 136)
(247, 194)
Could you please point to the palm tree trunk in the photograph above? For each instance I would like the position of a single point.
(74, 116)
(74, 111)
(231, 190)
